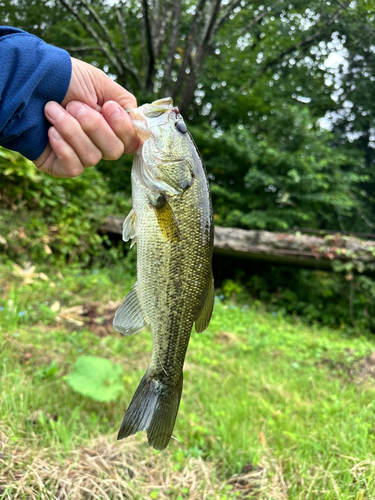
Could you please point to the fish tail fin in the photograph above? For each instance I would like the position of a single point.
(153, 408)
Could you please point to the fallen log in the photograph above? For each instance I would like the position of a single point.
(297, 249)
(323, 232)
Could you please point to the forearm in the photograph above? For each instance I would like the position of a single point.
(31, 74)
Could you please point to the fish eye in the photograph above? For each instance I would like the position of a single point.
(181, 127)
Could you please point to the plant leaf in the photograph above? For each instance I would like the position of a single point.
(95, 377)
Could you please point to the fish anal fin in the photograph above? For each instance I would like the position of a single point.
(129, 318)
(203, 320)
(129, 228)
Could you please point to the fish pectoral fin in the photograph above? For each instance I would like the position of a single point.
(134, 241)
(203, 320)
(129, 228)
(130, 318)
(166, 219)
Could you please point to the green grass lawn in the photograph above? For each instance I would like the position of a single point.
(271, 408)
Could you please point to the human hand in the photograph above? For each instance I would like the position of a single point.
(90, 124)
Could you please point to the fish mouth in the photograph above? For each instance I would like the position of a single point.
(166, 103)
(155, 108)
(158, 111)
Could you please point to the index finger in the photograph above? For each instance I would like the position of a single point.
(122, 125)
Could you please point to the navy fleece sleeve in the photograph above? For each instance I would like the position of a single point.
(31, 74)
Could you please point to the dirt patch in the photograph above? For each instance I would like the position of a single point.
(23, 352)
(226, 338)
(358, 370)
(241, 481)
(364, 369)
(100, 318)
(263, 481)
(96, 317)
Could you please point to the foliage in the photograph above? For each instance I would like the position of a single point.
(47, 219)
(255, 82)
(97, 378)
(269, 182)
(258, 389)
(318, 296)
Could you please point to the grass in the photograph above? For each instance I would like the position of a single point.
(271, 408)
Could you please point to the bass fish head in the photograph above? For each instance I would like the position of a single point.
(167, 161)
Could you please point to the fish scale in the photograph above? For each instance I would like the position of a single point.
(173, 223)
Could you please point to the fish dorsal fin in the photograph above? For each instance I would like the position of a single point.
(203, 320)
(129, 228)
(129, 317)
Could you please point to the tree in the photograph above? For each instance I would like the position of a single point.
(161, 46)
(353, 120)
(252, 78)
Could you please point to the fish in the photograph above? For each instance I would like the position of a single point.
(171, 222)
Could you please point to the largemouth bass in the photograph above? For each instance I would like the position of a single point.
(172, 223)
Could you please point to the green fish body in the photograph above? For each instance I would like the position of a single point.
(172, 223)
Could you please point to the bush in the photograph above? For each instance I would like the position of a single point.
(46, 219)
(334, 299)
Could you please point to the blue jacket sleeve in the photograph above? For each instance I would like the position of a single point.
(31, 74)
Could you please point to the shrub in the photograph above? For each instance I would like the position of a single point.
(46, 219)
